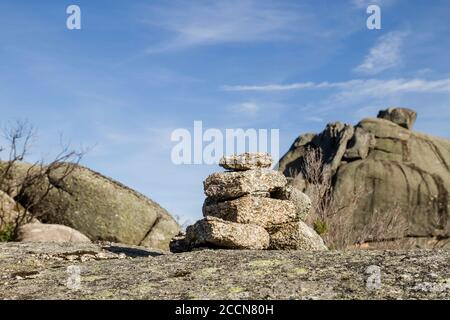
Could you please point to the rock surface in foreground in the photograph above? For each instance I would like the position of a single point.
(117, 272)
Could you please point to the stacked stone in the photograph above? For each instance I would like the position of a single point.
(250, 206)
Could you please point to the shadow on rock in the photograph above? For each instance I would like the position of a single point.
(132, 252)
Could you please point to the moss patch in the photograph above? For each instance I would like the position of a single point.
(266, 263)
(236, 290)
(7, 233)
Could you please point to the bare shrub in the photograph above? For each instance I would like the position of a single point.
(334, 220)
(17, 182)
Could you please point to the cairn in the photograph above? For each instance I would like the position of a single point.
(250, 206)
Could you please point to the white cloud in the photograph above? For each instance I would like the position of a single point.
(271, 87)
(249, 108)
(191, 23)
(314, 119)
(386, 54)
(370, 87)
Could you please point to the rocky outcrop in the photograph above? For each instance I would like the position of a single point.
(390, 165)
(119, 272)
(402, 116)
(332, 141)
(359, 145)
(40, 232)
(244, 208)
(98, 207)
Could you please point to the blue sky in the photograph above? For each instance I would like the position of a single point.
(137, 70)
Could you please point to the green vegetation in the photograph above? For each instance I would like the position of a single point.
(7, 233)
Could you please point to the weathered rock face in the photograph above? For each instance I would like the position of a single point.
(9, 211)
(101, 208)
(246, 161)
(360, 144)
(40, 232)
(332, 141)
(229, 185)
(224, 234)
(402, 168)
(402, 116)
(219, 274)
(254, 210)
(295, 236)
(242, 205)
(12, 214)
(301, 201)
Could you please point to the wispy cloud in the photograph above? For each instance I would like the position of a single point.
(371, 87)
(248, 108)
(277, 87)
(386, 54)
(185, 24)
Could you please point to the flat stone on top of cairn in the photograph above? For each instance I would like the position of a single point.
(246, 161)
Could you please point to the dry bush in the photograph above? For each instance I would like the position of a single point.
(19, 138)
(334, 220)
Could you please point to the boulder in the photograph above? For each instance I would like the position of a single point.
(404, 117)
(252, 210)
(230, 185)
(421, 195)
(9, 211)
(12, 214)
(295, 236)
(332, 143)
(403, 169)
(384, 129)
(292, 159)
(360, 144)
(40, 232)
(300, 200)
(246, 161)
(100, 208)
(218, 233)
